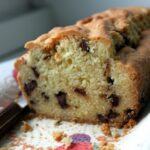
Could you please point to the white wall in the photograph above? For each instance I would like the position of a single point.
(68, 11)
(10, 8)
(15, 32)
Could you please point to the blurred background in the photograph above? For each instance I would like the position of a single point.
(23, 20)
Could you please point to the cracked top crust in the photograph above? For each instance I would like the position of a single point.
(114, 26)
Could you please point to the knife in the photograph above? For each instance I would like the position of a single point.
(11, 113)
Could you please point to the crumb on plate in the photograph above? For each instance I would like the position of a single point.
(26, 127)
(106, 129)
(115, 134)
(130, 124)
(107, 146)
(58, 136)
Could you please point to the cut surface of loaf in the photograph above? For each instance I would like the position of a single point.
(94, 71)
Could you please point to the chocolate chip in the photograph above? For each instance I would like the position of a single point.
(32, 102)
(35, 72)
(62, 99)
(29, 87)
(46, 97)
(84, 45)
(109, 80)
(130, 113)
(102, 118)
(112, 114)
(47, 57)
(114, 100)
(80, 91)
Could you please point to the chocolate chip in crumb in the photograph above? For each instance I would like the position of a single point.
(62, 99)
(29, 87)
(34, 69)
(114, 100)
(84, 45)
(46, 97)
(102, 118)
(109, 80)
(32, 102)
(47, 57)
(80, 91)
(112, 114)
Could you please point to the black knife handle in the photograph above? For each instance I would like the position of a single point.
(10, 115)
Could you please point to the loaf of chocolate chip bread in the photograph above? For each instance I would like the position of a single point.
(97, 70)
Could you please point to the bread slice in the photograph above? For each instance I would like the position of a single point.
(94, 71)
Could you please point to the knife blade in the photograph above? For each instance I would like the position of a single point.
(10, 114)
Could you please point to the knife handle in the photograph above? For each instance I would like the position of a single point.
(10, 115)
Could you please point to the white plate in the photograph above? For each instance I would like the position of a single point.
(41, 135)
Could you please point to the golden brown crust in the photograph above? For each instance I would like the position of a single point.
(19, 62)
(98, 26)
(138, 60)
